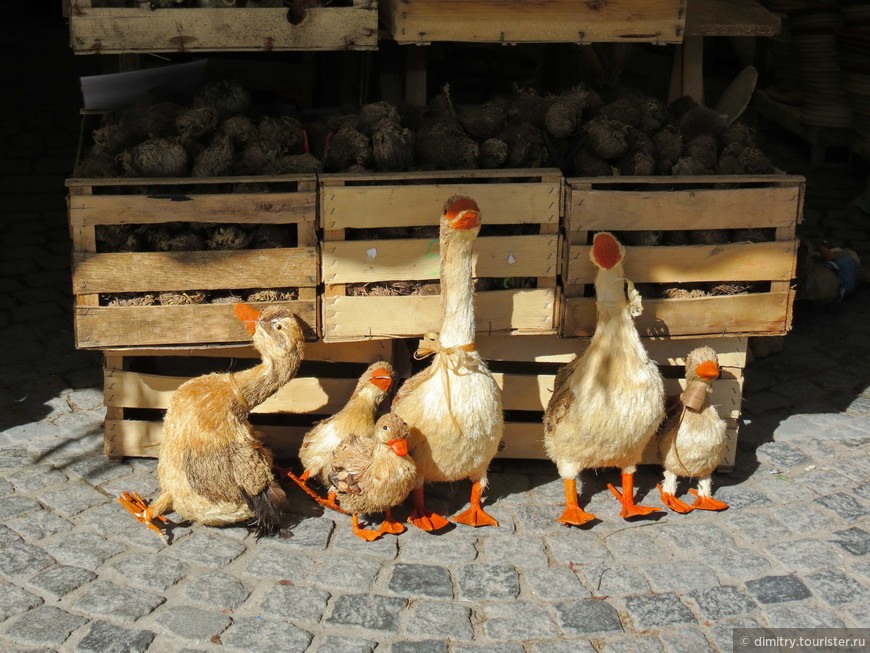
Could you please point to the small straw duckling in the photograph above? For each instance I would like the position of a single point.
(373, 473)
(692, 441)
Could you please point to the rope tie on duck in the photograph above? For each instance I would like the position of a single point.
(454, 359)
(633, 301)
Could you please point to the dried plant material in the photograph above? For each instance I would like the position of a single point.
(689, 166)
(680, 107)
(294, 164)
(526, 147)
(186, 242)
(608, 139)
(284, 134)
(718, 289)
(343, 121)
(729, 160)
(270, 236)
(527, 106)
(111, 237)
(626, 108)
(97, 164)
(228, 236)
(493, 153)
(156, 157)
(740, 134)
(754, 235)
(181, 298)
(240, 129)
(393, 288)
(216, 160)
(228, 98)
(683, 292)
(638, 164)
(442, 145)
(709, 236)
(755, 162)
(197, 122)
(392, 147)
(372, 115)
(701, 121)
(587, 164)
(654, 115)
(273, 295)
(257, 158)
(131, 299)
(485, 121)
(159, 119)
(347, 147)
(113, 138)
(703, 149)
(669, 148)
(224, 297)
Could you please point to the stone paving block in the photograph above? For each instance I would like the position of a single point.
(563, 645)
(634, 644)
(863, 490)
(576, 546)
(495, 647)
(479, 582)
(343, 539)
(253, 635)
(421, 580)
(427, 548)
(105, 637)
(836, 588)
(14, 600)
(614, 579)
(144, 483)
(345, 645)
(278, 563)
(513, 549)
(741, 496)
(737, 562)
(805, 517)
(508, 489)
(433, 617)
(552, 584)
(778, 589)
(679, 576)
(87, 550)
(534, 518)
(587, 616)
(98, 469)
(635, 544)
(854, 540)
(658, 611)
(60, 581)
(782, 455)
(73, 498)
(801, 616)
(44, 626)
(369, 611)
(857, 616)
(311, 533)
(38, 525)
(192, 624)
(207, 549)
(759, 525)
(115, 601)
(86, 398)
(344, 572)
(518, 621)
(217, 590)
(6, 488)
(24, 560)
(722, 633)
(32, 431)
(419, 646)
(823, 480)
(296, 603)
(716, 603)
(784, 489)
(802, 555)
(844, 505)
(34, 477)
(16, 506)
(8, 537)
(680, 640)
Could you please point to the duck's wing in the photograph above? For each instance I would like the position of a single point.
(222, 472)
(561, 399)
(351, 464)
(409, 386)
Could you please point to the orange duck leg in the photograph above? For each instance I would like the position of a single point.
(422, 517)
(626, 498)
(390, 525)
(302, 482)
(707, 503)
(141, 511)
(475, 515)
(364, 533)
(672, 502)
(574, 515)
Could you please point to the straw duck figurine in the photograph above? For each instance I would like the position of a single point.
(608, 402)
(453, 408)
(692, 440)
(212, 468)
(373, 472)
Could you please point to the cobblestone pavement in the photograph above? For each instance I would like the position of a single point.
(78, 574)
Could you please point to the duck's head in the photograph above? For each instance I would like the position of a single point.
(702, 364)
(606, 252)
(273, 328)
(393, 432)
(377, 380)
(461, 214)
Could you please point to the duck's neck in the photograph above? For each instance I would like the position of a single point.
(262, 381)
(457, 291)
(614, 322)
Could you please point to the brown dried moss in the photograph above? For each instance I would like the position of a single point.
(526, 147)
(156, 157)
(181, 298)
(227, 236)
(608, 139)
(197, 122)
(215, 160)
(273, 295)
(493, 153)
(227, 97)
(485, 121)
(373, 114)
(240, 129)
(347, 147)
(443, 145)
(392, 147)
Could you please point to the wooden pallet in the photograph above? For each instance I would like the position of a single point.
(375, 202)
(543, 21)
(688, 203)
(97, 30)
(136, 400)
(94, 202)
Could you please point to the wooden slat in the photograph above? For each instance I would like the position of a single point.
(616, 210)
(733, 315)
(105, 30)
(353, 318)
(678, 264)
(242, 208)
(107, 327)
(89, 122)
(206, 270)
(365, 351)
(547, 21)
(363, 261)
(402, 206)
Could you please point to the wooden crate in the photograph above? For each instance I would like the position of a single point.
(138, 384)
(774, 202)
(291, 200)
(541, 21)
(96, 30)
(525, 368)
(527, 201)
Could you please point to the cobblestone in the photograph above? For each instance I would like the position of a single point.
(369, 611)
(217, 590)
(553, 583)
(60, 581)
(297, 603)
(24, 560)
(105, 637)
(115, 601)
(87, 550)
(844, 505)
(658, 611)
(836, 588)
(585, 617)
(72, 499)
(193, 624)
(208, 550)
(421, 580)
(14, 600)
(854, 540)
(426, 616)
(778, 589)
(487, 582)
(680, 576)
(723, 601)
(345, 645)
(419, 646)
(253, 635)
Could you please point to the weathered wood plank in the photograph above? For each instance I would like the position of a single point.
(679, 264)
(206, 270)
(363, 261)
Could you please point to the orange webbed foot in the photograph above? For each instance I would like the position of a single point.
(364, 533)
(575, 516)
(427, 521)
(137, 507)
(475, 516)
(390, 525)
(673, 502)
(629, 507)
(707, 503)
(328, 502)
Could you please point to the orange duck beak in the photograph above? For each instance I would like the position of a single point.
(249, 316)
(463, 213)
(399, 447)
(708, 370)
(381, 379)
(605, 249)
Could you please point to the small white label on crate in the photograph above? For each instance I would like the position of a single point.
(511, 259)
(372, 252)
